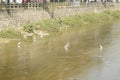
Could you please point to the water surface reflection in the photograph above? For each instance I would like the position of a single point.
(47, 59)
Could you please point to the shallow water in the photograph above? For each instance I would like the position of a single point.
(48, 60)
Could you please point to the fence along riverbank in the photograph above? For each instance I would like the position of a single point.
(57, 4)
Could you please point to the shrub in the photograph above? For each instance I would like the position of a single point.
(28, 27)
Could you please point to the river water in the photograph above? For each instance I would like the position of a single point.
(47, 59)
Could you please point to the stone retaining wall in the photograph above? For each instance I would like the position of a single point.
(19, 17)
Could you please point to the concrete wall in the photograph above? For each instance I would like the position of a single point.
(19, 17)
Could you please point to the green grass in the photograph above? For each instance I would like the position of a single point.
(10, 33)
(92, 18)
(48, 25)
(29, 27)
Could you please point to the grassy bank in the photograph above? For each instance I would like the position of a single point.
(56, 25)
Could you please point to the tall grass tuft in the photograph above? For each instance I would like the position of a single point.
(28, 27)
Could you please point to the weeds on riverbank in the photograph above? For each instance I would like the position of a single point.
(54, 25)
(10, 33)
(50, 25)
(28, 27)
(92, 18)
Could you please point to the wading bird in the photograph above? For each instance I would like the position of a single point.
(19, 44)
(41, 34)
(100, 48)
(66, 47)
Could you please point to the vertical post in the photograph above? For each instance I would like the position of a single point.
(37, 5)
(14, 5)
(28, 4)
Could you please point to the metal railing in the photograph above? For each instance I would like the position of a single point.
(57, 4)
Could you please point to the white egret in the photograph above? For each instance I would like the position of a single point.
(19, 44)
(66, 47)
(41, 34)
(100, 48)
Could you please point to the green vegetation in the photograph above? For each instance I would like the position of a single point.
(92, 18)
(49, 25)
(10, 33)
(52, 25)
(28, 27)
